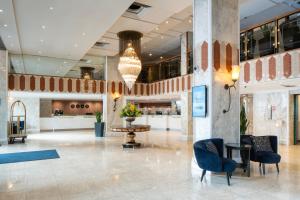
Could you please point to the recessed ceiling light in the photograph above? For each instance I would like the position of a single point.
(157, 28)
(65, 62)
(83, 34)
(1, 11)
(40, 52)
(5, 25)
(43, 27)
(190, 21)
(75, 45)
(150, 54)
(161, 57)
(51, 8)
(167, 22)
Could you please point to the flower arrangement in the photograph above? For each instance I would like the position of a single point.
(130, 110)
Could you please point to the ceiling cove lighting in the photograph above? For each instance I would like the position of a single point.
(130, 64)
(1, 11)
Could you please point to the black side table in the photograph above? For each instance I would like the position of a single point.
(245, 154)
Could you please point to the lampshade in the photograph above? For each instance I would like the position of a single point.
(129, 66)
(235, 73)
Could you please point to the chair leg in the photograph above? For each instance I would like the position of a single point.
(203, 174)
(264, 168)
(228, 178)
(277, 166)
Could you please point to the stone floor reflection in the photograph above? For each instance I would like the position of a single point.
(100, 169)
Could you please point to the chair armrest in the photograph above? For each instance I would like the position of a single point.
(274, 143)
(208, 160)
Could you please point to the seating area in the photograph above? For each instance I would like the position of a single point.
(210, 157)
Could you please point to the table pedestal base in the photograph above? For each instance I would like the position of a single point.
(130, 141)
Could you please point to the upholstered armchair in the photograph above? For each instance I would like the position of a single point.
(264, 150)
(209, 156)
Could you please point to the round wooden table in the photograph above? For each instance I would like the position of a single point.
(130, 130)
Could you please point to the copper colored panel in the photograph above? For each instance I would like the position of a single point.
(94, 86)
(163, 87)
(189, 82)
(42, 83)
(287, 65)
(61, 85)
(120, 87)
(172, 84)
(135, 89)
(22, 82)
(113, 87)
(70, 85)
(228, 57)
(155, 88)
(168, 86)
(258, 70)
(86, 85)
(51, 84)
(77, 85)
(11, 82)
(142, 89)
(177, 84)
(182, 83)
(247, 72)
(272, 68)
(101, 87)
(217, 55)
(32, 83)
(204, 56)
(147, 89)
(158, 87)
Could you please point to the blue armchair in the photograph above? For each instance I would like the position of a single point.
(263, 157)
(209, 160)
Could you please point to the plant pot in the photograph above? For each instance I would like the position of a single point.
(99, 129)
(129, 120)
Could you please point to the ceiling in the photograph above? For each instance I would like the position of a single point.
(51, 36)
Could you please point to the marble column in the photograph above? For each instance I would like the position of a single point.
(186, 43)
(112, 74)
(3, 95)
(216, 44)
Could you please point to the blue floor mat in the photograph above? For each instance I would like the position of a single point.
(28, 156)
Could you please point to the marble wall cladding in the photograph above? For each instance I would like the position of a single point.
(271, 115)
(217, 21)
(112, 73)
(3, 95)
(186, 114)
(32, 112)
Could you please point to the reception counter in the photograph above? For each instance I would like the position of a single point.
(171, 122)
(67, 122)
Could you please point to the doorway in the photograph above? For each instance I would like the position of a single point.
(296, 119)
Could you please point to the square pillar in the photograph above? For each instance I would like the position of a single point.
(3, 96)
(216, 47)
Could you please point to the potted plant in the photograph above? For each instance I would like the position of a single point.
(244, 123)
(99, 125)
(130, 112)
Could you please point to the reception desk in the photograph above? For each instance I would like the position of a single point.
(164, 122)
(67, 122)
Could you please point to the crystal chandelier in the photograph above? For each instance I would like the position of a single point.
(129, 66)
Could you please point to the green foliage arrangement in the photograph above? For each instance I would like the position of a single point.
(130, 110)
(99, 117)
(244, 123)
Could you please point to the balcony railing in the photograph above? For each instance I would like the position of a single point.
(276, 36)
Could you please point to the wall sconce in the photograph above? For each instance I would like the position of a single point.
(115, 97)
(235, 73)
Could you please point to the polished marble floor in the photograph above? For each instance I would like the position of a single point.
(92, 168)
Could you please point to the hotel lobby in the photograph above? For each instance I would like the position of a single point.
(148, 99)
